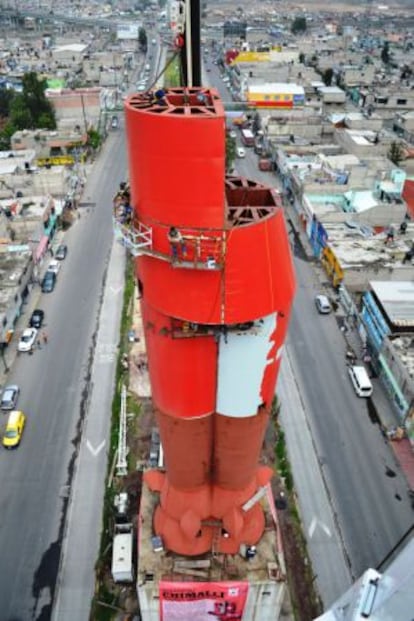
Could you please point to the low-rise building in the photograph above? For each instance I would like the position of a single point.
(52, 147)
(16, 269)
(275, 95)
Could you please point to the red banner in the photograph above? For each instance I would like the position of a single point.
(202, 601)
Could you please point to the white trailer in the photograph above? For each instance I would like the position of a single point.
(122, 563)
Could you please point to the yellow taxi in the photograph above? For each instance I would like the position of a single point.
(14, 429)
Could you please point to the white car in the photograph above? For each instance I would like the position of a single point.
(27, 339)
(240, 152)
(323, 304)
(54, 266)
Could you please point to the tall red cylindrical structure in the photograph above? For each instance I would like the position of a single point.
(215, 304)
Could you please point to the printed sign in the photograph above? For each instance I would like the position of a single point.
(202, 601)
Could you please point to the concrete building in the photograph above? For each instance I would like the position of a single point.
(275, 95)
(362, 121)
(78, 107)
(16, 269)
(362, 75)
(69, 54)
(51, 144)
(331, 94)
(363, 143)
(305, 124)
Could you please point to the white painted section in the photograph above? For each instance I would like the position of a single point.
(241, 365)
(264, 601)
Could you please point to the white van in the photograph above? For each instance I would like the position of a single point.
(360, 381)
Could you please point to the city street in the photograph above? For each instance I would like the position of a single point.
(353, 510)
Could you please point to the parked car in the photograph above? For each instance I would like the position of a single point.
(27, 339)
(114, 122)
(14, 429)
(36, 320)
(323, 304)
(61, 252)
(54, 266)
(360, 380)
(9, 397)
(48, 282)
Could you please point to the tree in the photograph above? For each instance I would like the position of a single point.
(5, 137)
(35, 100)
(298, 25)
(385, 53)
(142, 39)
(5, 98)
(230, 152)
(19, 114)
(94, 138)
(327, 76)
(29, 109)
(395, 153)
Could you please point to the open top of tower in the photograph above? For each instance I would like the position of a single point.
(181, 101)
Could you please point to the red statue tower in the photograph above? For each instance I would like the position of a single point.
(216, 279)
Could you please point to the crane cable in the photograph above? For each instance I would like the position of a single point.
(179, 42)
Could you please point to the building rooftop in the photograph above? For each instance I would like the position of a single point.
(277, 87)
(397, 300)
(355, 247)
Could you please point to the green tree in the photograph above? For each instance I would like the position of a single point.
(5, 136)
(36, 100)
(395, 153)
(299, 25)
(20, 116)
(5, 99)
(385, 53)
(30, 109)
(94, 138)
(142, 39)
(327, 76)
(230, 153)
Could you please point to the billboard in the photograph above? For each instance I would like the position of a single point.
(202, 601)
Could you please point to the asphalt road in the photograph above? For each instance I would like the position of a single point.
(367, 489)
(353, 496)
(55, 382)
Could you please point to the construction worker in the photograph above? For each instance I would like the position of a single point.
(176, 239)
